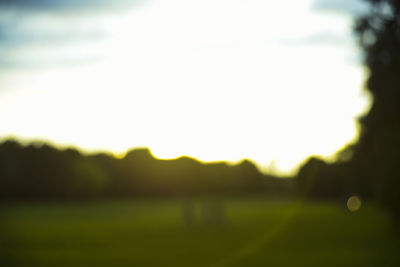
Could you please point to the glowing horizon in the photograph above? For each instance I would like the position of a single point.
(213, 80)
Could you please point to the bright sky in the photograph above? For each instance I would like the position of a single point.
(272, 81)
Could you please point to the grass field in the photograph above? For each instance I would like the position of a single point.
(154, 233)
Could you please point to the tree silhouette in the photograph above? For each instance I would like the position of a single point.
(41, 172)
(376, 156)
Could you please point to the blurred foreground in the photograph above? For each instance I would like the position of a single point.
(213, 232)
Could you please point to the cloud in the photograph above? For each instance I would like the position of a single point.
(33, 27)
(20, 34)
(346, 7)
(35, 42)
(328, 38)
(67, 6)
(320, 38)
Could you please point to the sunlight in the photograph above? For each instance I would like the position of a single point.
(212, 133)
(183, 79)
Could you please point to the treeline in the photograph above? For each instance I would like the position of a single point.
(41, 172)
(320, 180)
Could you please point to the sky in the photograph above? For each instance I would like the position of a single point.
(220, 80)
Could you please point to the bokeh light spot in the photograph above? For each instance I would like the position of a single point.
(354, 203)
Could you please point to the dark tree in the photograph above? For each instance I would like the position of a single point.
(41, 172)
(377, 154)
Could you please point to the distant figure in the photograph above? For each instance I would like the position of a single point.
(213, 212)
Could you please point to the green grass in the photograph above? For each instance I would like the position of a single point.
(153, 233)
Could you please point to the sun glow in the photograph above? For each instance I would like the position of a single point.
(216, 80)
